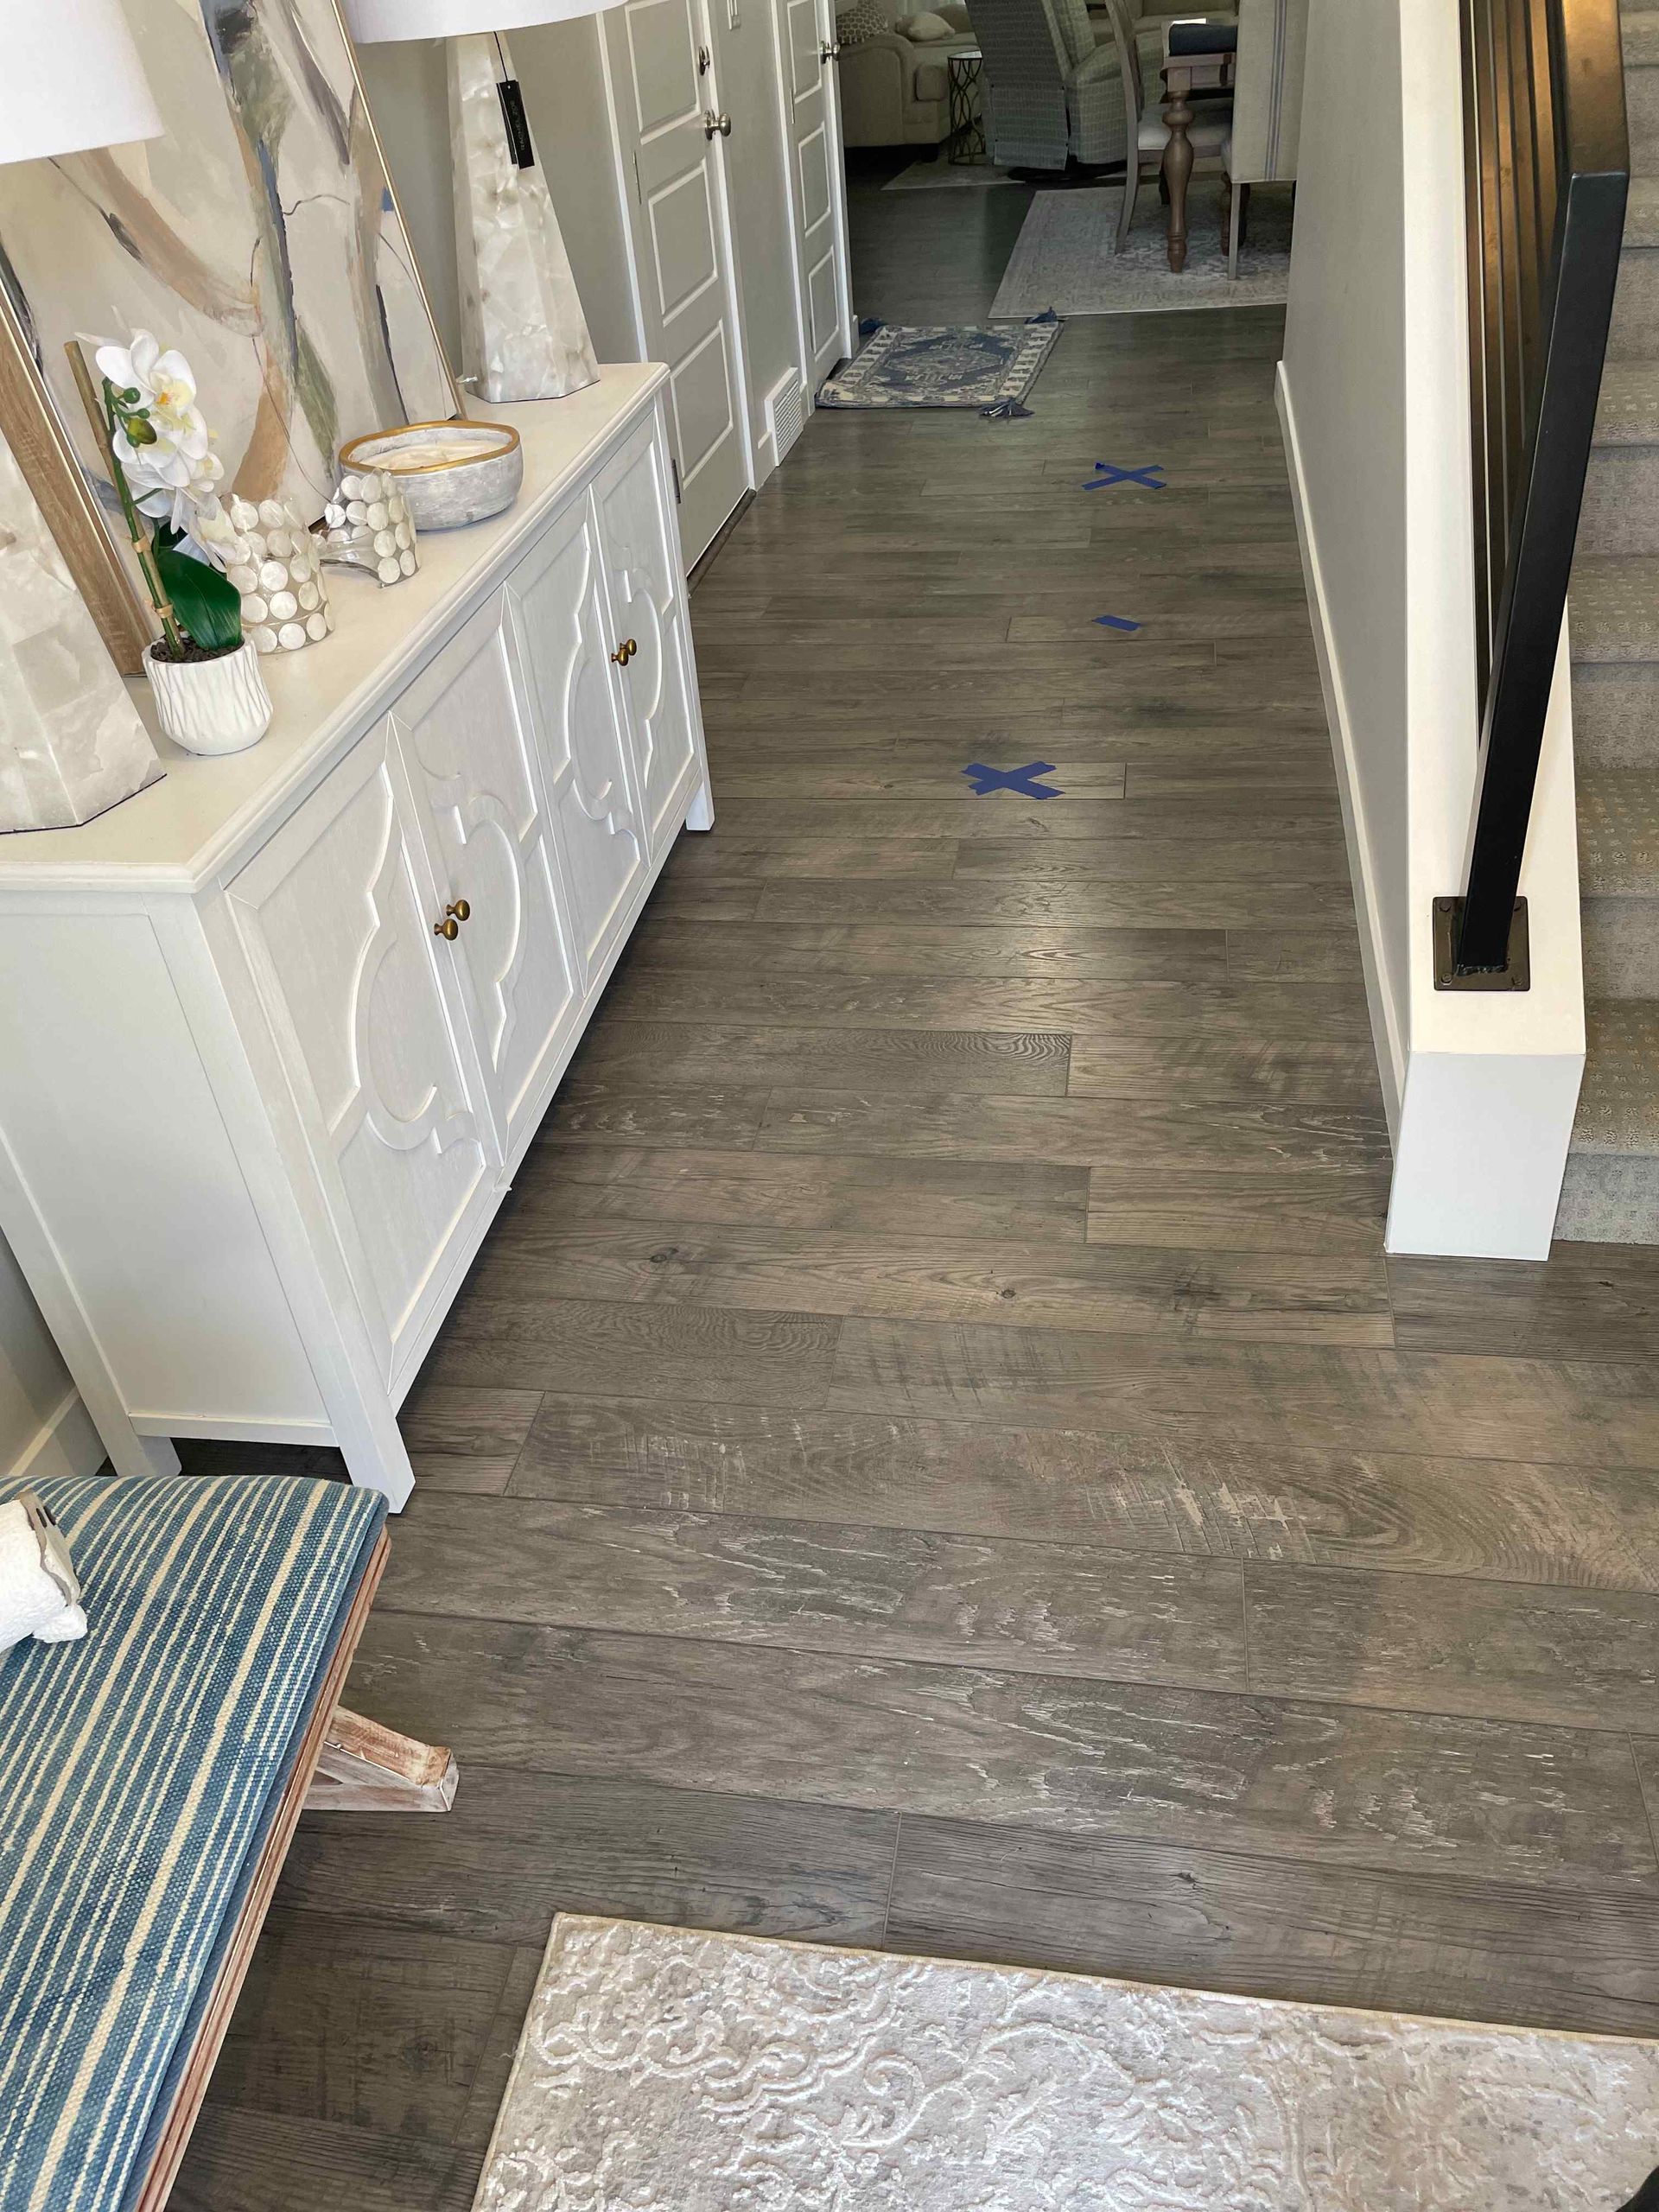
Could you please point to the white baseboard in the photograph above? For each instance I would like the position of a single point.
(1387, 1033)
(65, 1443)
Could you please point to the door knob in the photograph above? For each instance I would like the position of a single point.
(625, 651)
(713, 123)
(829, 51)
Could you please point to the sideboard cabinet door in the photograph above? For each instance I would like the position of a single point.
(565, 623)
(334, 914)
(640, 544)
(470, 754)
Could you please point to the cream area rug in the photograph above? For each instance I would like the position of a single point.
(667, 2071)
(942, 175)
(1063, 258)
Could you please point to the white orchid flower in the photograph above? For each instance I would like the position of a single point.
(176, 471)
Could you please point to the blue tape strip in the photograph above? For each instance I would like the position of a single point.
(1022, 780)
(1111, 473)
(1115, 622)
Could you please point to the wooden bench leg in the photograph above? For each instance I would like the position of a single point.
(367, 1769)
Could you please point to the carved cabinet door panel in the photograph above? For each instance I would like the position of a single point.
(469, 752)
(334, 915)
(640, 553)
(564, 622)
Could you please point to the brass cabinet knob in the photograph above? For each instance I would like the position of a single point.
(449, 927)
(625, 652)
(460, 910)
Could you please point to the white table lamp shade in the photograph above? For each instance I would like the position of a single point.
(70, 78)
(374, 21)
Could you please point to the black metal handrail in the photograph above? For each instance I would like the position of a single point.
(1547, 157)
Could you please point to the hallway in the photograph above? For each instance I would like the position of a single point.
(933, 1453)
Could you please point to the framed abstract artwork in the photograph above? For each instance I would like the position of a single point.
(260, 235)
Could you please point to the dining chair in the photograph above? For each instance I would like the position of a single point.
(1054, 87)
(1144, 127)
(1261, 145)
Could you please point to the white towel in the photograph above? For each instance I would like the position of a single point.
(39, 1594)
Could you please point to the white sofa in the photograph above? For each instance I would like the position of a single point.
(894, 91)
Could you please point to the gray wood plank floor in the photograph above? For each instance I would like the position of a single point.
(933, 1452)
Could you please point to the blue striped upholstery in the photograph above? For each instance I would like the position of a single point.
(140, 1771)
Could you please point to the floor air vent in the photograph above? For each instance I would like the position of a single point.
(786, 412)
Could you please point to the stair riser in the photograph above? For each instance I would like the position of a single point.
(1616, 714)
(1610, 1199)
(1620, 512)
(1635, 333)
(1621, 947)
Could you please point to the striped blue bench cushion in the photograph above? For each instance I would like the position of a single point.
(140, 1771)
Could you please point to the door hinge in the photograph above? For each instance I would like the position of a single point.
(675, 466)
(703, 58)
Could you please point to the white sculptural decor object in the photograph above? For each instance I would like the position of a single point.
(71, 745)
(70, 742)
(524, 332)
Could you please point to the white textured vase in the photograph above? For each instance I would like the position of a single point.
(523, 331)
(211, 706)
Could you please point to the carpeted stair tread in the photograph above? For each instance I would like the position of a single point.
(1640, 31)
(1642, 213)
(1619, 1106)
(1628, 413)
(1618, 832)
(1614, 607)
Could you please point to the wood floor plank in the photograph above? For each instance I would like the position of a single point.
(1584, 1658)
(1246, 1298)
(240, 2161)
(1004, 816)
(591, 1111)
(1510, 1520)
(895, 1060)
(518, 1847)
(1318, 858)
(1289, 1206)
(1161, 1137)
(1024, 1201)
(1076, 1608)
(938, 949)
(1588, 1301)
(1322, 952)
(737, 859)
(1339, 1071)
(980, 902)
(970, 1006)
(465, 1439)
(1587, 1963)
(1338, 1785)
(614, 1349)
(348, 2020)
(1354, 1401)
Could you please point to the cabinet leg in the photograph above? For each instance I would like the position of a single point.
(701, 813)
(381, 1463)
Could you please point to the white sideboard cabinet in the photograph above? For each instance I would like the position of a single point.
(274, 1033)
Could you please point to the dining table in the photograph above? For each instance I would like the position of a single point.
(1203, 75)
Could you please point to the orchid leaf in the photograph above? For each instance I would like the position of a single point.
(207, 604)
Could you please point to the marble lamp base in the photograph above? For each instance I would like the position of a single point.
(71, 743)
(524, 332)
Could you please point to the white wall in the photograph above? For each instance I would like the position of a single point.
(1374, 390)
(44, 1429)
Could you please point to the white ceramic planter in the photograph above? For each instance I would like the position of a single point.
(211, 706)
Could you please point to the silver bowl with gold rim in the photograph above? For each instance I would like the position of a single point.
(450, 473)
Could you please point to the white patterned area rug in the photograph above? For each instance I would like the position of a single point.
(944, 175)
(666, 2070)
(1063, 258)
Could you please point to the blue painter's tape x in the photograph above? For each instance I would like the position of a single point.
(1150, 477)
(1115, 622)
(1022, 780)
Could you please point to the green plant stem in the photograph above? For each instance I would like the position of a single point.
(102, 417)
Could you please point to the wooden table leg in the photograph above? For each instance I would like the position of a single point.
(1178, 170)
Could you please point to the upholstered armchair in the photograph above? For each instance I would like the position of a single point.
(895, 90)
(1261, 147)
(1053, 89)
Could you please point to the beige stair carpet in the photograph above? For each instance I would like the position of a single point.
(667, 2071)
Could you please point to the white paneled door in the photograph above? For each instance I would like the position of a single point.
(671, 131)
(817, 194)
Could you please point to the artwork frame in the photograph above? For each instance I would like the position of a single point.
(280, 427)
